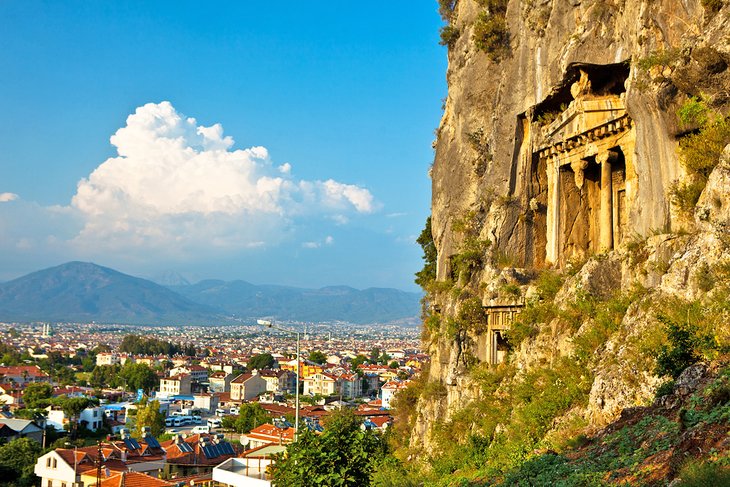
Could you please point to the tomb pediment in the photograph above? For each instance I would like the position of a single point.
(580, 155)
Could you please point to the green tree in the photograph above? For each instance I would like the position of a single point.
(261, 361)
(428, 274)
(394, 364)
(37, 395)
(357, 361)
(17, 460)
(374, 355)
(343, 455)
(138, 376)
(251, 416)
(317, 357)
(149, 415)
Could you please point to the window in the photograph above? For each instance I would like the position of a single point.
(50, 483)
(63, 484)
(48, 462)
(96, 413)
(55, 463)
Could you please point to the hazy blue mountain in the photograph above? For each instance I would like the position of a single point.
(82, 292)
(246, 300)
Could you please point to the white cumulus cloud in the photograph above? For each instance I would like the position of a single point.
(177, 184)
(6, 197)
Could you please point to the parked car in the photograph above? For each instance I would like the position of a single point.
(201, 429)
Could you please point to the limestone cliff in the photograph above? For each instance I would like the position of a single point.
(559, 148)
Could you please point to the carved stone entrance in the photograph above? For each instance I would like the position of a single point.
(588, 179)
(492, 346)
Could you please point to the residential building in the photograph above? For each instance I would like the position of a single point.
(196, 372)
(247, 386)
(196, 454)
(279, 380)
(323, 384)
(267, 434)
(390, 389)
(107, 358)
(177, 385)
(21, 428)
(220, 381)
(351, 386)
(23, 374)
(206, 402)
(250, 469)
(91, 417)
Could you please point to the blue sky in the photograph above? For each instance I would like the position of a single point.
(306, 162)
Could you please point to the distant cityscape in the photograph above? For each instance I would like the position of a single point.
(220, 402)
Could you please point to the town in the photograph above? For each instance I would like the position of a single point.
(96, 404)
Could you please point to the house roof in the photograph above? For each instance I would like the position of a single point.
(241, 378)
(271, 434)
(192, 450)
(133, 479)
(20, 425)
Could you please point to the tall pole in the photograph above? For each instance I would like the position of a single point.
(296, 397)
(269, 324)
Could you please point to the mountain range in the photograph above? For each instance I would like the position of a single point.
(85, 292)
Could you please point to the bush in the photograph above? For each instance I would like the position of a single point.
(701, 151)
(449, 35)
(660, 58)
(686, 195)
(680, 353)
(665, 389)
(446, 9)
(491, 36)
(703, 474)
(472, 315)
(712, 5)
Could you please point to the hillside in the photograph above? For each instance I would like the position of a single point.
(576, 254)
(84, 292)
(243, 299)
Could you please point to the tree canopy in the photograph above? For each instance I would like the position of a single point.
(343, 455)
(37, 395)
(251, 416)
(17, 460)
(317, 357)
(152, 346)
(149, 415)
(261, 361)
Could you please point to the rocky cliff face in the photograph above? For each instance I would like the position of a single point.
(559, 148)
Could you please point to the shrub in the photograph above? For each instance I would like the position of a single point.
(427, 275)
(702, 474)
(434, 390)
(693, 112)
(491, 36)
(548, 284)
(704, 277)
(701, 151)
(665, 389)
(660, 58)
(472, 315)
(449, 35)
(712, 5)
(680, 352)
(685, 195)
(446, 9)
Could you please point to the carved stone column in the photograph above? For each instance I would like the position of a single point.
(552, 250)
(606, 214)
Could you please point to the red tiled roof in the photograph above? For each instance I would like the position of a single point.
(133, 479)
(270, 433)
(242, 378)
